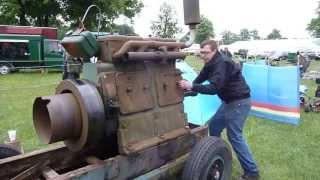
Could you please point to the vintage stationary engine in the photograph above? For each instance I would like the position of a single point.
(129, 100)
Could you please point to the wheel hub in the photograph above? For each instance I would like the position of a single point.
(4, 69)
(216, 169)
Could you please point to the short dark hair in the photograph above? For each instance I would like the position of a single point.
(211, 43)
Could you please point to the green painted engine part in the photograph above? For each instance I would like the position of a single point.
(81, 45)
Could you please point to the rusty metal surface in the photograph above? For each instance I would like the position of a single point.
(160, 39)
(75, 115)
(140, 145)
(131, 45)
(191, 12)
(118, 38)
(169, 119)
(147, 129)
(137, 164)
(134, 93)
(57, 117)
(92, 112)
(154, 56)
(111, 44)
(134, 128)
(119, 167)
(114, 47)
(109, 89)
(33, 172)
(59, 156)
(142, 128)
(168, 91)
(49, 173)
(171, 170)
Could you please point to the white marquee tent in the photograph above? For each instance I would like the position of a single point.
(262, 47)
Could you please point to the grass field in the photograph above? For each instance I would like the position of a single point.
(283, 152)
(17, 93)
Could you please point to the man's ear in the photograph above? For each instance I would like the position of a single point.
(214, 51)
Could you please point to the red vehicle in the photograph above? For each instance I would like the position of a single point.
(47, 32)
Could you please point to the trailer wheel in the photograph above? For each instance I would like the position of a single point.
(8, 151)
(4, 69)
(210, 159)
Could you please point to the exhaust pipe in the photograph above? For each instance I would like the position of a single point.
(191, 18)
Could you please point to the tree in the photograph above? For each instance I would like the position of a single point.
(254, 35)
(229, 37)
(244, 34)
(166, 26)
(54, 12)
(275, 34)
(31, 12)
(204, 30)
(110, 10)
(124, 29)
(314, 25)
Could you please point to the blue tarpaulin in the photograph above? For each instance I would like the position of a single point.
(200, 108)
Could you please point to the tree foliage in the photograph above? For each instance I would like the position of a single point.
(204, 30)
(275, 34)
(244, 34)
(166, 26)
(254, 34)
(229, 37)
(124, 29)
(110, 10)
(55, 12)
(314, 25)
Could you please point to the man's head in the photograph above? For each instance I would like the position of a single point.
(208, 50)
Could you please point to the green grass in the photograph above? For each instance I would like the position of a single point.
(314, 65)
(283, 152)
(17, 93)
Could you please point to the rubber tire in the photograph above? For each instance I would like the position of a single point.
(199, 161)
(8, 151)
(4, 66)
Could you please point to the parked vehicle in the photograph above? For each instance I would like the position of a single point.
(278, 55)
(312, 54)
(194, 49)
(24, 47)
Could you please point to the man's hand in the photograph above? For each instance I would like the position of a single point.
(185, 85)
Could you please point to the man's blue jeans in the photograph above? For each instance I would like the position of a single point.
(232, 116)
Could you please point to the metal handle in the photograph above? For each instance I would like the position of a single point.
(99, 18)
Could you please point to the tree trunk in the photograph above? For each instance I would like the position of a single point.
(39, 21)
(22, 15)
(22, 20)
(46, 20)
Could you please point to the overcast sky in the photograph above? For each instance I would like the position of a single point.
(289, 16)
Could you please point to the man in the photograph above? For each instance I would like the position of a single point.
(225, 80)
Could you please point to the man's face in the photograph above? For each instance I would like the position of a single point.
(206, 53)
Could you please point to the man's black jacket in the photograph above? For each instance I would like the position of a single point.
(225, 79)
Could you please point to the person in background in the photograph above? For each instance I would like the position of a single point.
(221, 51)
(303, 63)
(227, 52)
(225, 80)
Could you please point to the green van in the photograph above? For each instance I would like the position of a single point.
(19, 51)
